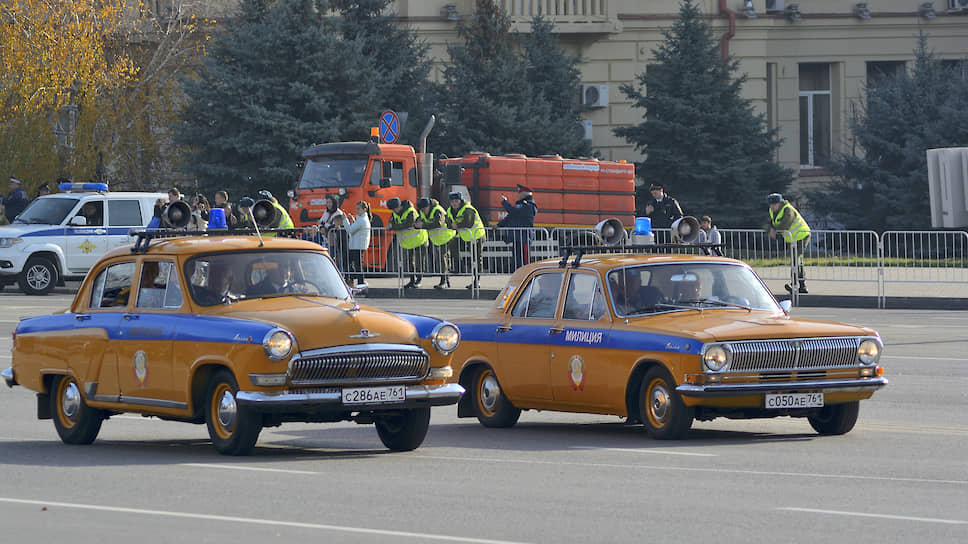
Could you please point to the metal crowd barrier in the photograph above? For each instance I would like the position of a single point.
(835, 262)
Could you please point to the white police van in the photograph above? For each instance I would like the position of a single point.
(61, 236)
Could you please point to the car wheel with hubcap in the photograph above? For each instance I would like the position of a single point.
(38, 277)
(232, 428)
(663, 413)
(404, 431)
(491, 407)
(75, 421)
(835, 419)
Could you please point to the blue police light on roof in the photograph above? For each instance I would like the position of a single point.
(68, 187)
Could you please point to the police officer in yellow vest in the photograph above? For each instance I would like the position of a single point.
(433, 219)
(282, 219)
(463, 218)
(411, 239)
(786, 219)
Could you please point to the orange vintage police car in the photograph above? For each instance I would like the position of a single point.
(661, 340)
(236, 332)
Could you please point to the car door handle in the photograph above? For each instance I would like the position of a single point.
(503, 328)
(131, 316)
(556, 330)
(82, 317)
(100, 231)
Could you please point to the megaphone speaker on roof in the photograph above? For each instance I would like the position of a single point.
(176, 215)
(685, 230)
(610, 231)
(265, 215)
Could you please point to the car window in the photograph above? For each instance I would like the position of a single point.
(47, 210)
(93, 213)
(156, 290)
(112, 286)
(540, 298)
(584, 299)
(124, 213)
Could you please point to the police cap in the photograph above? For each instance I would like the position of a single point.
(774, 198)
(246, 202)
(455, 196)
(393, 203)
(423, 202)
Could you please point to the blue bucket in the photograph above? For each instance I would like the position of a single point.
(643, 225)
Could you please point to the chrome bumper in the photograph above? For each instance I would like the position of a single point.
(858, 385)
(7, 375)
(418, 396)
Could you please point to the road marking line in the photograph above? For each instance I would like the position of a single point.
(698, 469)
(234, 519)
(254, 469)
(881, 516)
(647, 450)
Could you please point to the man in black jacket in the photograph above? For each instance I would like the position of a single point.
(520, 224)
(662, 208)
(16, 202)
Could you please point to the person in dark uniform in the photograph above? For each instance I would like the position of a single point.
(15, 202)
(662, 208)
(520, 223)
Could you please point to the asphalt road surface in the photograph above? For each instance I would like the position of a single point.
(900, 476)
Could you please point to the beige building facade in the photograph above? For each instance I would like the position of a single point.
(807, 62)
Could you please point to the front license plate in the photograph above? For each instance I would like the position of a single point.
(374, 395)
(794, 400)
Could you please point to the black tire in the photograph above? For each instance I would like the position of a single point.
(404, 431)
(75, 421)
(233, 429)
(38, 277)
(490, 405)
(835, 419)
(661, 409)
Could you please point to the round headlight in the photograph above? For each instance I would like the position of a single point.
(445, 338)
(277, 344)
(715, 358)
(869, 351)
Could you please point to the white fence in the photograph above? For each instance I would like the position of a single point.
(848, 263)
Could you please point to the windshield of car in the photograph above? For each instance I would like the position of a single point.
(341, 171)
(47, 210)
(228, 277)
(637, 290)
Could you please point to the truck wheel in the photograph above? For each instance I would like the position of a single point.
(663, 413)
(835, 419)
(233, 429)
(404, 431)
(38, 277)
(75, 421)
(491, 407)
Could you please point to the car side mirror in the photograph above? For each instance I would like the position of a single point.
(78, 221)
(359, 290)
(786, 305)
(385, 182)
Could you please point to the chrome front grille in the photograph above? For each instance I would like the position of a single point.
(359, 364)
(792, 354)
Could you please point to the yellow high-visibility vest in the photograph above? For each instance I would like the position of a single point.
(442, 234)
(798, 229)
(477, 229)
(410, 238)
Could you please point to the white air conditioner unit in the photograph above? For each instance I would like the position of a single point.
(594, 95)
(774, 5)
(957, 5)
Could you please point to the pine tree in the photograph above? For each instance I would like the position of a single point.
(701, 139)
(278, 81)
(398, 60)
(488, 101)
(885, 185)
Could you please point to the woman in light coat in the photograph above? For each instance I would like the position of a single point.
(359, 232)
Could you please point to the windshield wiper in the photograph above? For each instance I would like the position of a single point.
(722, 303)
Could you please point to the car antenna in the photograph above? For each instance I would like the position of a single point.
(564, 258)
(256, 227)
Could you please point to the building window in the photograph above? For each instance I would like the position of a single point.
(878, 71)
(815, 115)
(959, 67)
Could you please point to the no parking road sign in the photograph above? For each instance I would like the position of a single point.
(389, 127)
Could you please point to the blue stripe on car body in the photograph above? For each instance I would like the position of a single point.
(152, 326)
(424, 324)
(581, 336)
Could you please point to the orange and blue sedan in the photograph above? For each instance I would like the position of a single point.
(661, 340)
(237, 333)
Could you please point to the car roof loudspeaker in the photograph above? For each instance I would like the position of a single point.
(610, 231)
(176, 215)
(265, 215)
(685, 230)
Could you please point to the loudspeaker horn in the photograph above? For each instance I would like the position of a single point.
(265, 215)
(176, 215)
(685, 230)
(610, 231)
